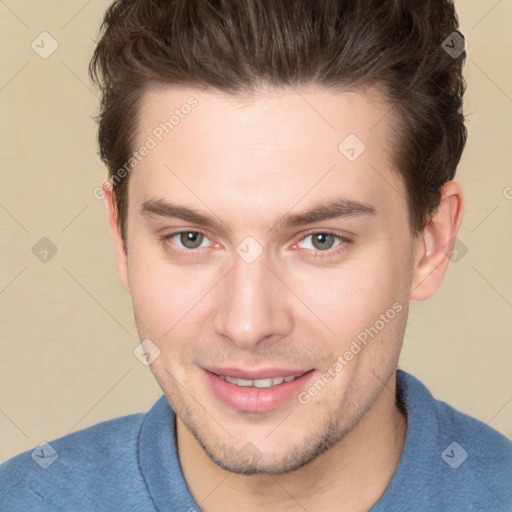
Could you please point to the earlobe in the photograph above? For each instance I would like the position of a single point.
(117, 238)
(435, 243)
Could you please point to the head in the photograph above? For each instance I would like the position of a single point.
(280, 187)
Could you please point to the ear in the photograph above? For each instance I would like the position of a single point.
(115, 231)
(435, 243)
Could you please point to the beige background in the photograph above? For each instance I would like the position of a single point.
(67, 330)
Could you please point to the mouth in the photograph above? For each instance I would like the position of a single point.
(256, 391)
(259, 383)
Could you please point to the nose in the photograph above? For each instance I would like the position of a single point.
(252, 305)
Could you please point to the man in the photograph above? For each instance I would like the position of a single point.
(280, 188)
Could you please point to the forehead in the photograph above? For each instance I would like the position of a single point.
(289, 116)
(276, 147)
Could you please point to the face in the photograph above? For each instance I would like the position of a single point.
(270, 268)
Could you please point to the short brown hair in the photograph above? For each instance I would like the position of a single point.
(237, 46)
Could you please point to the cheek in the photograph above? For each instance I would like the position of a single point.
(353, 295)
(157, 294)
(168, 299)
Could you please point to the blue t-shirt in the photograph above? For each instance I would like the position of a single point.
(450, 462)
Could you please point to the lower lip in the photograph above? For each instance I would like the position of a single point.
(252, 399)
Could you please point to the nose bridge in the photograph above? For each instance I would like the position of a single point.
(253, 306)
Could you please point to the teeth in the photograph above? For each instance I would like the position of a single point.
(265, 383)
(259, 383)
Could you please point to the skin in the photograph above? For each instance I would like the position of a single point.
(247, 161)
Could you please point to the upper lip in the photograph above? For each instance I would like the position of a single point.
(262, 373)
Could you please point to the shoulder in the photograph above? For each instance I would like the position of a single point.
(471, 463)
(74, 468)
(487, 452)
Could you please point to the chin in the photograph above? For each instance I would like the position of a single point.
(251, 459)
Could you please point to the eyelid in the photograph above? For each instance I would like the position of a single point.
(317, 231)
(170, 236)
(344, 241)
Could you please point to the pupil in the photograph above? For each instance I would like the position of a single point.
(191, 240)
(323, 241)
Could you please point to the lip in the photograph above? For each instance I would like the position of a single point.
(263, 373)
(251, 399)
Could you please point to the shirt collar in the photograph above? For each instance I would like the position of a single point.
(159, 462)
(415, 468)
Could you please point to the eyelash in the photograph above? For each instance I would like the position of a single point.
(342, 246)
(344, 242)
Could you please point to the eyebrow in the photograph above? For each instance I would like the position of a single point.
(332, 209)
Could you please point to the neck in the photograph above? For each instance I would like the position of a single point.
(354, 473)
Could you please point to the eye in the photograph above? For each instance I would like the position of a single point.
(188, 239)
(323, 241)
